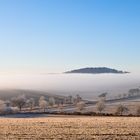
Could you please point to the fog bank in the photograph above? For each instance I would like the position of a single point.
(87, 85)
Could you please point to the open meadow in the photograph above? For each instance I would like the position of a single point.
(70, 128)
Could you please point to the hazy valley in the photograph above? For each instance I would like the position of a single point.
(87, 85)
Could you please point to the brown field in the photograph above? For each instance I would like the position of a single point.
(70, 128)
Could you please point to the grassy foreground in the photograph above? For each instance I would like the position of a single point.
(70, 128)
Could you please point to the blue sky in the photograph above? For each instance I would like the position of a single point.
(44, 36)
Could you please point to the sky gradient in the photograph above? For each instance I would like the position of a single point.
(46, 36)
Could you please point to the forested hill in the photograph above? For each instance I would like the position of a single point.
(96, 70)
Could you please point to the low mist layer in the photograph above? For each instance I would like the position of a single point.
(87, 86)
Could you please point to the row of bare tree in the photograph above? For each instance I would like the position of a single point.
(16, 104)
(101, 106)
(21, 103)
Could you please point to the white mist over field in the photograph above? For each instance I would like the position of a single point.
(87, 85)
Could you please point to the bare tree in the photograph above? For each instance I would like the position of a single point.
(43, 103)
(42, 98)
(121, 109)
(100, 105)
(51, 101)
(81, 105)
(31, 103)
(19, 101)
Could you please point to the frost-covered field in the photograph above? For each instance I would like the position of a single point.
(70, 128)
